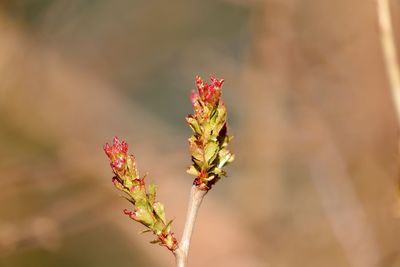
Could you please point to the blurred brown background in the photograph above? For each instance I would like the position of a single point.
(315, 177)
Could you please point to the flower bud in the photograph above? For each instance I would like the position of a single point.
(208, 144)
(146, 210)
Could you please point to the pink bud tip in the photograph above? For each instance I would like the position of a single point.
(215, 82)
(209, 93)
(117, 153)
(131, 214)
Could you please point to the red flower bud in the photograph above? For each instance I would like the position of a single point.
(209, 93)
(117, 153)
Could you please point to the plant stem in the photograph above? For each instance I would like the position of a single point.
(389, 51)
(196, 197)
(392, 65)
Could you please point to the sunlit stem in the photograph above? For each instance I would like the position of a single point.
(196, 197)
(389, 52)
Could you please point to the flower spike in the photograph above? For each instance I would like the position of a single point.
(208, 144)
(146, 210)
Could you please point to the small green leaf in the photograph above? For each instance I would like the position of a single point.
(167, 228)
(231, 159)
(197, 162)
(128, 183)
(158, 227)
(132, 169)
(220, 120)
(213, 118)
(211, 150)
(159, 210)
(138, 193)
(194, 124)
(195, 149)
(219, 171)
(225, 156)
(144, 216)
(193, 171)
(145, 231)
(151, 193)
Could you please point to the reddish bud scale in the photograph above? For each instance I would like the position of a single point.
(131, 214)
(169, 241)
(201, 181)
(117, 182)
(117, 153)
(209, 93)
(194, 98)
(140, 184)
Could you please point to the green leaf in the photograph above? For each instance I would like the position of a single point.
(159, 210)
(158, 227)
(151, 193)
(195, 149)
(225, 156)
(220, 120)
(143, 215)
(128, 183)
(219, 171)
(132, 169)
(145, 231)
(138, 193)
(167, 228)
(193, 171)
(231, 159)
(213, 118)
(197, 162)
(194, 124)
(210, 151)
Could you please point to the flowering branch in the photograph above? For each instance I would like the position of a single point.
(147, 210)
(209, 154)
(208, 147)
(208, 144)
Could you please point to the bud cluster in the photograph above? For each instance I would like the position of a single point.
(208, 144)
(146, 210)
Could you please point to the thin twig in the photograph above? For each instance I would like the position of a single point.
(389, 52)
(196, 197)
(392, 66)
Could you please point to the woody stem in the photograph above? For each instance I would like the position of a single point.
(196, 197)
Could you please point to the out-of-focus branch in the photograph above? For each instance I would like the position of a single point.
(346, 214)
(389, 51)
(390, 57)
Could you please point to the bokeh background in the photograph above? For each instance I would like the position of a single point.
(315, 177)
